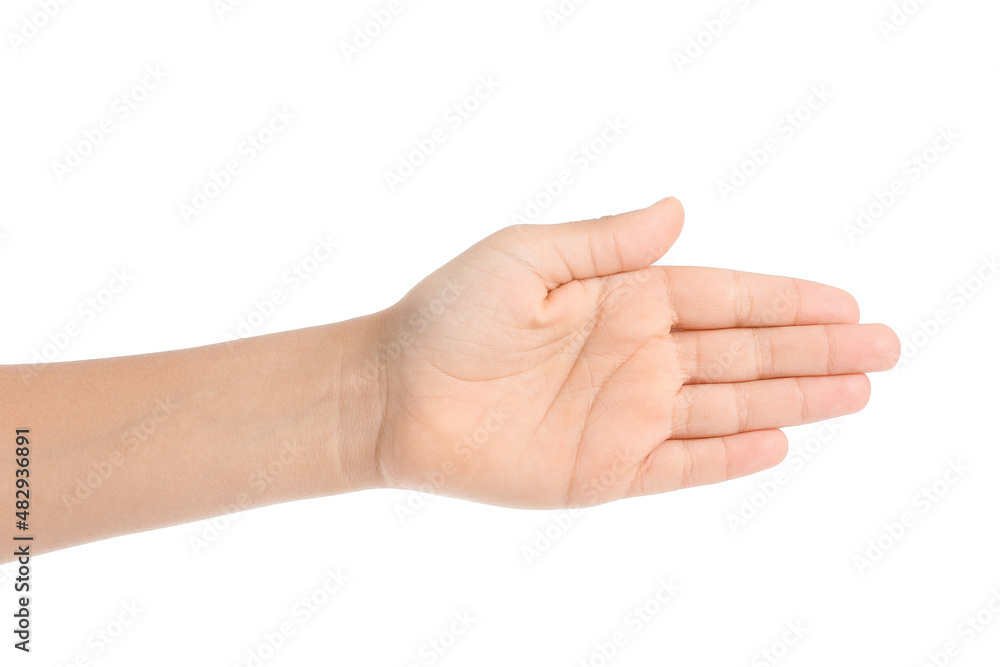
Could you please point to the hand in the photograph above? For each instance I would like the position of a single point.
(553, 366)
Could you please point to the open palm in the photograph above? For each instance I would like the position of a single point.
(553, 366)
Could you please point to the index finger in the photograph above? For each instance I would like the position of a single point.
(705, 298)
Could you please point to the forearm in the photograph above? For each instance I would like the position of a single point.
(133, 443)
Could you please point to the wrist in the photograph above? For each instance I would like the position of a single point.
(354, 398)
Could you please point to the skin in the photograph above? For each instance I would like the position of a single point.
(548, 366)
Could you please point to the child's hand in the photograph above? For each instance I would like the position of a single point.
(552, 366)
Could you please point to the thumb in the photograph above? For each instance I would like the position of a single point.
(612, 244)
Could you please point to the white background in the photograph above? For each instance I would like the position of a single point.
(688, 127)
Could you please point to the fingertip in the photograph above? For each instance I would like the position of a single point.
(668, 217)
(825, 304)
(760, 450)
(857, 392)
(672, 211)
(887, 347)
(851, 307)
(843, 306)
(674, 204)
(777, 447)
